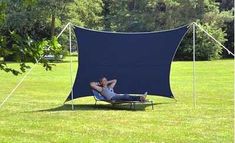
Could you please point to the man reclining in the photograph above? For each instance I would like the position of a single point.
(105, 88)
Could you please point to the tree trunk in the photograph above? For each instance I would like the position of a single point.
(106, 12)
(52, 25)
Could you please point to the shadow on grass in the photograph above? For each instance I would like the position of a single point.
(86, 107)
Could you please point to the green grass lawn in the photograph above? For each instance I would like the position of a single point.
(35, 112)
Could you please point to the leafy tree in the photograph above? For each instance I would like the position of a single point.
(228, 5)
(27, 27)
(30, 25)
(21, 39)
(206, 48)
(2, 13)
(81, 13)
(53, 9)
(23, 18)
(86, 13)
(151, 15)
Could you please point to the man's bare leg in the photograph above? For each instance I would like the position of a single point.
(143, 98)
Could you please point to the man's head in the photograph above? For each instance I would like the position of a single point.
(103, 81)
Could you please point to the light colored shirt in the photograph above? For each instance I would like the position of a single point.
(108, 93)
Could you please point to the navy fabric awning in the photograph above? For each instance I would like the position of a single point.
(139, 61)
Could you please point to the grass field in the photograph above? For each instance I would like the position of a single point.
(35, 112)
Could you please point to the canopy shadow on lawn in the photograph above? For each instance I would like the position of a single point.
(67, 107)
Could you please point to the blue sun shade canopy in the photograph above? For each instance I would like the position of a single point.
(139, 61)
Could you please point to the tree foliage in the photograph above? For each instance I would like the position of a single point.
(154, 15)
(28, 27)
(86, 13)
(229, 29)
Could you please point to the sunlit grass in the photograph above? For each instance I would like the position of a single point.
(35, 112)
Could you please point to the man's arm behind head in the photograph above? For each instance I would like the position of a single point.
(112, 83)
(95, 85)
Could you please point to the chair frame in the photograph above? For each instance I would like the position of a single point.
(113, 102)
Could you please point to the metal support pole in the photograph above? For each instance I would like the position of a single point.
(194, 59)
(71, 76)
(234, 75)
